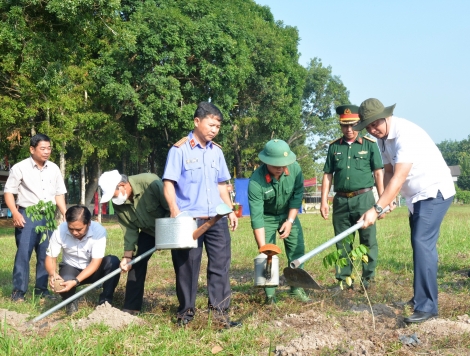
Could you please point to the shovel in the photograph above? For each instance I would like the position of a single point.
(221, 210)
(297, 277)
(269, 250)
(89, 288)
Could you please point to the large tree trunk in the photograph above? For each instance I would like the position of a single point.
(59, 216)
(82, 185)
(99, 193)
(236, 155)
(124, 165)
(92, 183)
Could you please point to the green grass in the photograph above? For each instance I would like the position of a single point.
(159, 334)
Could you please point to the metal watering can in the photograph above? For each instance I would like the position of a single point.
(267, 266)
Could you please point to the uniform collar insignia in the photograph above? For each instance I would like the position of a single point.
(359, 139)
(268, 178)
(286, 171)
(192, 143)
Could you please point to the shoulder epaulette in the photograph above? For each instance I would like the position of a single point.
(335, 140)
(369, 138)
(217, 144)
(181, 142)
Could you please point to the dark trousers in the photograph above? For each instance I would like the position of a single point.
(28, 240)
(293, 244)
(136, 276)
(346, 213)
(187, 263)
(108, 265)
(425, 223)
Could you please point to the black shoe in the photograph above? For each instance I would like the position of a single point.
(72, 307)
(409, 304)
(17, 296)
(234, 324)
(419, 317)
(131, 312)
(44, 294)
(182, 322)
(224, 321)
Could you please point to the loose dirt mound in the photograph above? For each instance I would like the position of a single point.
(353, 334)
(12, 318)
(106, 314)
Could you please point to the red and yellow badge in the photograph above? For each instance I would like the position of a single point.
(268, 178)
(192, 142)
(347, 111)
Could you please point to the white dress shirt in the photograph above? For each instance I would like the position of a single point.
(78, 253)
(409, 143)
(33, 184)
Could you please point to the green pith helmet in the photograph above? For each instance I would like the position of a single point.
(348, 114)
(277, 153)
(372, 110)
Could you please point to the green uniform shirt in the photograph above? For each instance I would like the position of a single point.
(149, 204)
(267, 196)
(353, 164)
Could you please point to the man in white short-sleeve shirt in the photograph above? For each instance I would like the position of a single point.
(83, 243)
(31, 180)
(413, 166)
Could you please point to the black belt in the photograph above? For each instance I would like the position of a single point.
(353, 194)
(205, 218)
(20, 207)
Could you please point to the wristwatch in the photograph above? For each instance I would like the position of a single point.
(76, 281)
(290, 220)
(378, 209)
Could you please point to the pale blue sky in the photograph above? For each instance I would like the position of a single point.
(414, 53)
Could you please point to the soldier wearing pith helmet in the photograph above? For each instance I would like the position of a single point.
(275, 195)
(354, 166)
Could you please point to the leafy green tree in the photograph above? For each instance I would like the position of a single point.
(458, 153)
(450, 152)
(323, 92)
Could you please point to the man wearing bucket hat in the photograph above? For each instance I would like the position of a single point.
(275, 194)
(355, 162)
(138, 200)
(195, 182)
(414, 167)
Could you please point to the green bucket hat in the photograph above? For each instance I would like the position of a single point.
(372, 110)
(277, 153)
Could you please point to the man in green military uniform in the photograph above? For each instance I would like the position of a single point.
(138, 200)
(356, 163)
(275, 195)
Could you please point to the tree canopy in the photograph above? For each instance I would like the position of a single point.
(458, 153)
(116, 83)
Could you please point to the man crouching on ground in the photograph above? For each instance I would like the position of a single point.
(83, 243)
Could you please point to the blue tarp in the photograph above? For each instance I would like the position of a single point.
(241, 194)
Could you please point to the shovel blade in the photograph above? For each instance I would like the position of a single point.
(223, 209)
(297, 277)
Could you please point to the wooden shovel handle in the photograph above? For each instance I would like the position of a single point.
(206, 226)
(269, 263)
